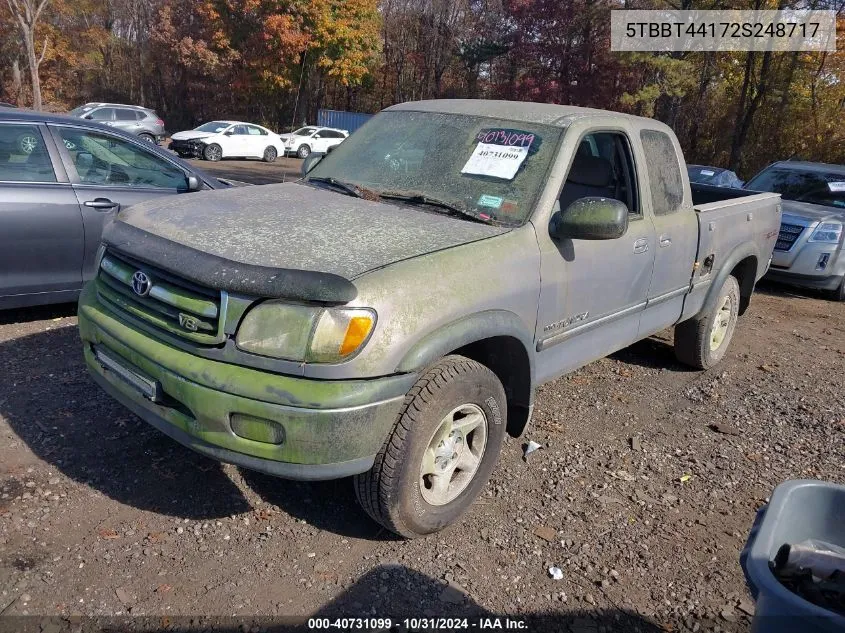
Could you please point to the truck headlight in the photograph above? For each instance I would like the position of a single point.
(828, 232)
(305, 333)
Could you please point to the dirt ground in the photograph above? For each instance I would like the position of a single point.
(253, 171)
(102, 515)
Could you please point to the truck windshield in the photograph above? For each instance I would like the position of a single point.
(491, 169)
(815, 187)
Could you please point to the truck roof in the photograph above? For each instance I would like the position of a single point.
(527, 111)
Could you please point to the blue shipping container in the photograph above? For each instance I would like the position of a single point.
(349, 121)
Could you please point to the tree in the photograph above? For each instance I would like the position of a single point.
(27, 13)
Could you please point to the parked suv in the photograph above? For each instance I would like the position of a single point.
(136, 120)
(312, 139)
(810, 250)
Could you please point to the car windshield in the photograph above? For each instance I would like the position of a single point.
(304, 131)
(800, 185)
(490, 168)
(213, 126)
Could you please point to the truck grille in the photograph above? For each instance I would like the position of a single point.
(787, 236)
(159, 298)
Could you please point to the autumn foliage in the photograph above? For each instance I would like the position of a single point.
(278, 61)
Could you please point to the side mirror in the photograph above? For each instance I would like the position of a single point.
(310, 162)
(590, 219)
(193, 183)
(228, 133)
(88, 116)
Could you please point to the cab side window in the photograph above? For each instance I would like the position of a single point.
(664, 172)
(255, 130)
(107, 160)
(603, 167)
(23, 156)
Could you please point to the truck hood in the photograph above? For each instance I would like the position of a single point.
(187, 135)
(812, 212)
(247, 239)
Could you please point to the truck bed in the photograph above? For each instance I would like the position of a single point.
(733, 225)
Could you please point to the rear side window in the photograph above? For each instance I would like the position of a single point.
(124, 114)
(664, 172)
(23, 156)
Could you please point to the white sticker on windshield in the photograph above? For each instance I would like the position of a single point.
(836, 186)
(708, 172)
(497, 161)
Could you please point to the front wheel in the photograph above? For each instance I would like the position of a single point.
(303, 151)
(212, 152)
(441, 451)
(703, 342)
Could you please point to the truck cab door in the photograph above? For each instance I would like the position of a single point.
(593, 291)
(675, 228)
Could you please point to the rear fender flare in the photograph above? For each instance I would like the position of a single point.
(737, 255)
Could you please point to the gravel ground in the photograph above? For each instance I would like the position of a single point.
(643, 493)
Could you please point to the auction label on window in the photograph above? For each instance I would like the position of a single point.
(496, 161)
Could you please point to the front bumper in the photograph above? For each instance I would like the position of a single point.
(809, 265)
(190, 148)
(331, 429)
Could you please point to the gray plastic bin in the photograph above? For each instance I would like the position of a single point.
(798, 510)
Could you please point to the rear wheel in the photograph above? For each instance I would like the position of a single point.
(441, 451)
(149, 138)
(303, 151)
(703, 342)
(270, 154)
(212, 152)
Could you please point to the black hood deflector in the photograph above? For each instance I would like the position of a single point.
(216, 272)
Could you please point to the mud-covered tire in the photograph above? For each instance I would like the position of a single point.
(392, 491)
(212, 152)
(303, 151)
(703, 342)
(270, 154)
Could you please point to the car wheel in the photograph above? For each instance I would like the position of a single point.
(703, 342)
(212, 152)
(441, 451)
(149, 138)
(303, 151)
(839, 293)
(270, 154)
(27, 143)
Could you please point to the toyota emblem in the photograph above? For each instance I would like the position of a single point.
(141, 284)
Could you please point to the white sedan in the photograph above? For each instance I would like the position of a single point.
(228, 139)
(313, 139)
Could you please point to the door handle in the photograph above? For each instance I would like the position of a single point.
(665, 241)
(641, 245)
(101, 204)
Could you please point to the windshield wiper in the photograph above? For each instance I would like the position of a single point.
(350, 190)
(418, 198)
